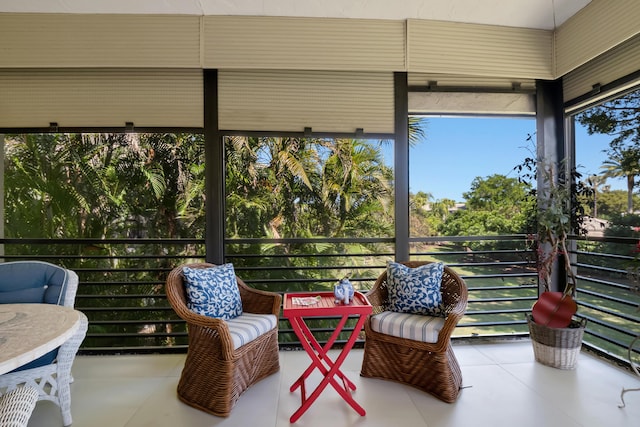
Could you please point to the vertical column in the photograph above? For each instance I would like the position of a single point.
(214, 171)
(551, 146)
(401, 165)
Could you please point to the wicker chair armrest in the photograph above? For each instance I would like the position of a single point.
(378, 294)
(454, 314)
(205, 326)
(259, 301)
(203, 321)
(375, 297)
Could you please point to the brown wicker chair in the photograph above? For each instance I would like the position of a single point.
(431, 367)
(214, 374)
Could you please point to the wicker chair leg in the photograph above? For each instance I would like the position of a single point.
(214, 385)
(17, 405)
(438, 374)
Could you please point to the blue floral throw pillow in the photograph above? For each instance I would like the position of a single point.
(415, 290)
(213, 291)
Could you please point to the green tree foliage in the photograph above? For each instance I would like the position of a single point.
(612, 203)
(108, 186)
(619, 118)
(623, 163)
(303, 187)
(104, 185)
(494, 205)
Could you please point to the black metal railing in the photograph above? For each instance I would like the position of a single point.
(122, 283)
(608, 294)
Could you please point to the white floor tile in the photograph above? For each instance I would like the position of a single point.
(504, 387)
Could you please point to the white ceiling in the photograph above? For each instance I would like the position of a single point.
(542, 14)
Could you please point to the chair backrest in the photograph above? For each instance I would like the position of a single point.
(37, 282)
(453, 288)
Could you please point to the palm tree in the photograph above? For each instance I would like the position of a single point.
(623, 163)
(596, 181)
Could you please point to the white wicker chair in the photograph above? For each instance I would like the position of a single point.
(16, 406)
(52, 380)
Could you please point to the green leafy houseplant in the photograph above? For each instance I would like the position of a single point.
(558, 213)
(556, 336)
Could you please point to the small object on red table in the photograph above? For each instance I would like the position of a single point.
(330, 369)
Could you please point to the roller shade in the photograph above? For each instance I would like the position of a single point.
(519, 104)
(326, 101)
(101, 98)
(600, 26)
(91, 41)
(614, 64)
(258, 42)
(479, 50)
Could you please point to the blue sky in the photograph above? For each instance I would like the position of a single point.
(456, 150)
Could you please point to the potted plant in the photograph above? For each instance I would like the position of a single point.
(555, 333)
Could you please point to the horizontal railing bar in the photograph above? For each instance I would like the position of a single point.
(106, 257)
(503, 311)
(91, 335)
(607, 311)
(607, 297)
(119, 296)
(84, 241)
(323, 255)
(605, 239)
(261, 241)
(600, 268)
(86, 283)
(477, 252)
(499, 323)
(502, 288)
(307, 268)
(138, 322)
(604, 282)
(605, 338)
(504, 264)
(607, 325)
(494, 276)
(485, 300)
(606, 256)
(134, 349)
(437, 239)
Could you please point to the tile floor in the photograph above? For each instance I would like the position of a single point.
(505, 387)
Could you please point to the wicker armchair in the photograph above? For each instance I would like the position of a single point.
(431, 367)
(215, 374)
(50, 375)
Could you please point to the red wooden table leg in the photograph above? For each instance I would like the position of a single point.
(296, 308)
(319, 358)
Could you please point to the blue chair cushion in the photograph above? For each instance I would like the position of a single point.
(415, 290)
(32, 282)
(213, 291)
(47, 359)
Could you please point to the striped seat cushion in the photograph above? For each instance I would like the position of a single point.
(249, 326)
(415, 327)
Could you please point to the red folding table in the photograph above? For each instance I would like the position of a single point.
(323, 304)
